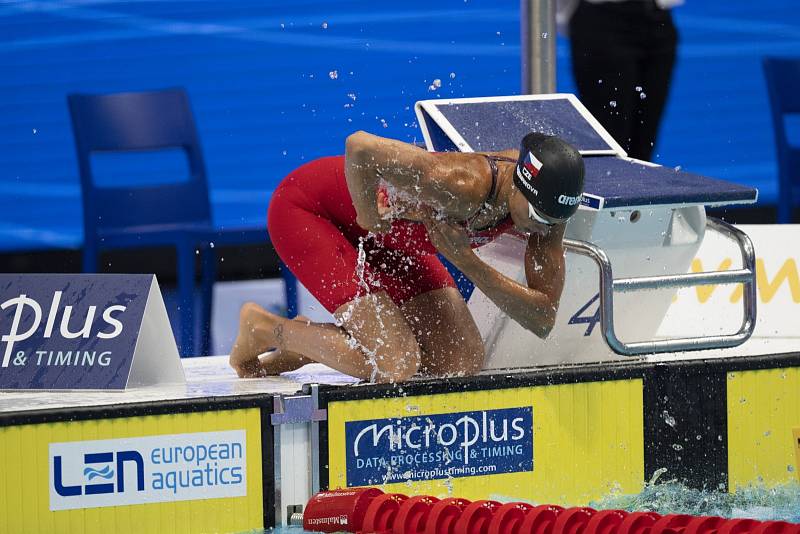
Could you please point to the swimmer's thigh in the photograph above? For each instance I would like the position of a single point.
(382, 334)
(446, 332)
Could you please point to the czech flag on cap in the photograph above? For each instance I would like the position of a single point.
(532, 164)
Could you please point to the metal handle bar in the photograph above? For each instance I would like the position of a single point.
(745, 276)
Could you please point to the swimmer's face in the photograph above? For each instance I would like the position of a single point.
(519, 210)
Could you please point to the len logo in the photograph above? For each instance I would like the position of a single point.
(105, 474)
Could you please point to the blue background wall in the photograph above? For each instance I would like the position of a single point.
(274, 84)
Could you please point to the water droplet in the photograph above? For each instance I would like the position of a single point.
(333, 74)
(642, 96)
(613, 103)
(211, 244)
(452, 75)
(352, 96)
(677, 167)
(437, 83)
(677, 446)
(324, 25)
(283, 152)
(668, 418)
(544, 35)
(35, 131)
(638, 88)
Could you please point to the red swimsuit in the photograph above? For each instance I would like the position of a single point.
(312, 224)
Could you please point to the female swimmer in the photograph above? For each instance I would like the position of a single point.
(361, 232)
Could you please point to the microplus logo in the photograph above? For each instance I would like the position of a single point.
(178, 467)
(19, 332)
(439, 446)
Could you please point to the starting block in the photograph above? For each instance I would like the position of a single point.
(632, 241)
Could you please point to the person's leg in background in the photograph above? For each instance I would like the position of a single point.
(656, 65)
(623, 54)
(604, 64)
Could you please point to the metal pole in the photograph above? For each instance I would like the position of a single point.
(538, 34)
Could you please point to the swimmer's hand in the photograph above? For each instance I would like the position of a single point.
(375, 219)
(449, 238)
(398, 208)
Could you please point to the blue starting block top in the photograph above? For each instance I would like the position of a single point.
(493, 124)
(613, 181)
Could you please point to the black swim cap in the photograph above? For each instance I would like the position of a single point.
(549, 174)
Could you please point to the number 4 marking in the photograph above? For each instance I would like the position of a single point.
(591, 320)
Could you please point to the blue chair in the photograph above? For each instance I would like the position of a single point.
(175, 214)
(783, 86)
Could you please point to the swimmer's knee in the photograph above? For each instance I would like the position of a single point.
(474, 358)
(249, 309)
(465, 358)
(400, 363)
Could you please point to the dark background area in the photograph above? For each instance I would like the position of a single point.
(274, 84)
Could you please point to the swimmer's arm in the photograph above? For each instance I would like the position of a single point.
(438, 180)
(534, 307)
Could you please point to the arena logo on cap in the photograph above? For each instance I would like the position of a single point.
(569, 201)
(178, 467)
(430, 447)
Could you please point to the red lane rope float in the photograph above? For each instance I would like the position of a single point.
(640, 523)
(776, 527)
(671, 524)
(737, 526)
(476, 517)
(413, 515)
(573, 520)
(704, 525)
(508, 518)
(605, 522)
(370, 511)
(444, 515)
(381, 512)
(338, 510)
(540, 519)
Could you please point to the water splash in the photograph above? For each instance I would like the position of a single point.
(754, 502)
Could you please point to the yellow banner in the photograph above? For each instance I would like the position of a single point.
(586, 441)
(95, 467)
(763, 408)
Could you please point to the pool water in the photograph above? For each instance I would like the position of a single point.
(764, 504)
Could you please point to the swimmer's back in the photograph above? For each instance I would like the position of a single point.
(320, 187)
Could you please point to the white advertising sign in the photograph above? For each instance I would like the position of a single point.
(176, 467)
(716, 309)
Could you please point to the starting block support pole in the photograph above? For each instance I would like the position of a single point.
(538, 35)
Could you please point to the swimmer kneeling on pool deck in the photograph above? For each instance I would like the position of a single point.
(361, 232)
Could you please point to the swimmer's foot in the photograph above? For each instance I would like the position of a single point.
(278, 361)
(257, 335)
